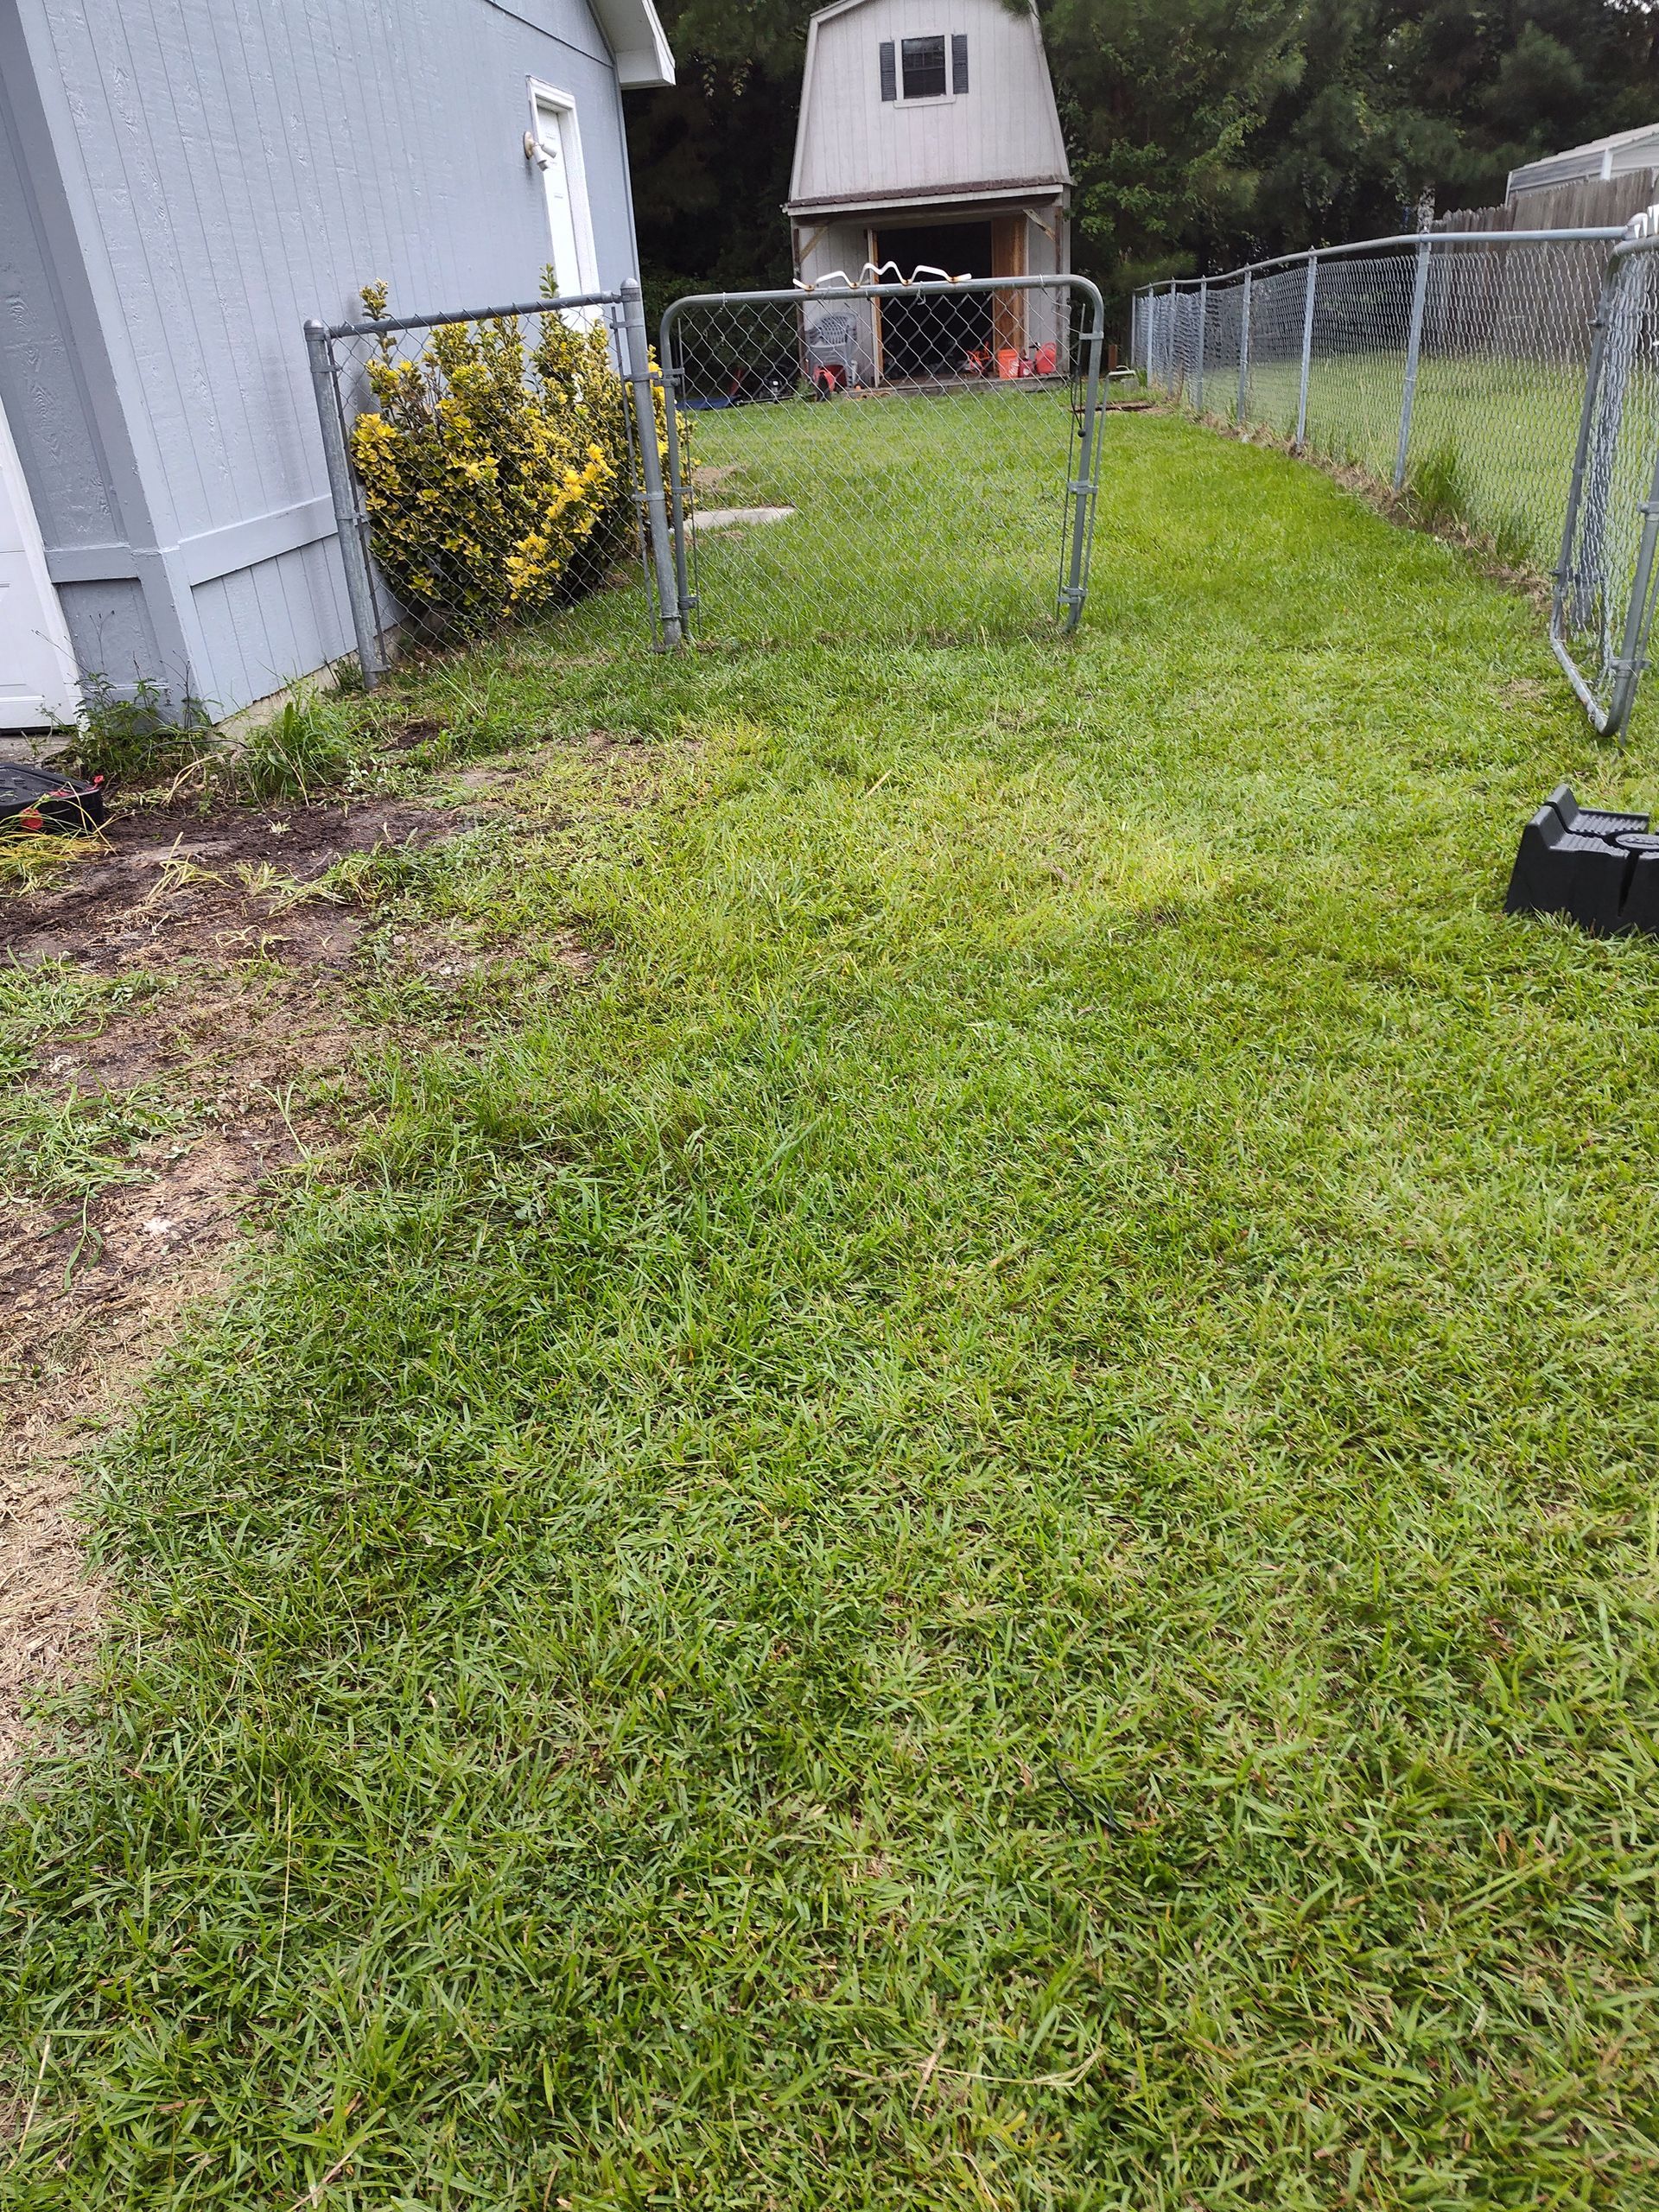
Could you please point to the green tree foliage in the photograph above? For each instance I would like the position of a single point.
(1400, 99)
(711, 154)
(1160, 101)
(1200, 131)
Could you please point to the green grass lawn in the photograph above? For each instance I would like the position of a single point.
(1492, 439)
(916, 514)
(979, 1533)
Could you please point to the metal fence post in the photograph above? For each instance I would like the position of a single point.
(350, 522)
(1307, 349)
(679, 501)
(1243, 351)
(1083, 487)
(1413, 354)
(1170, 340)
(1203, 318)
(637, 347)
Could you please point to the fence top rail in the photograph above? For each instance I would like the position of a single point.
(388, 323)
(1606, 233)
(797, 295)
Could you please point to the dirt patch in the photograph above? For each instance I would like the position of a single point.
(167, 890)
(633, 770)
(439, 958)
(87, 1303)
(248, 1041)
(407, 735)
(92, 1292)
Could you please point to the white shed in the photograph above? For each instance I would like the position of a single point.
(928, 137)
(1627, 153)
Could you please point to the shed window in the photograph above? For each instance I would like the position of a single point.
(924, 68)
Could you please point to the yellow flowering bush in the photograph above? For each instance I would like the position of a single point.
(495, 471)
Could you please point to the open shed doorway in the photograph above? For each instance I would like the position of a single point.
(934, 337)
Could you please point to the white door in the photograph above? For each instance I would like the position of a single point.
(568, 220)
(37, 669)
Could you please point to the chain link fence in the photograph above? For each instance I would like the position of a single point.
(1462, 370)
(888, 460)
(1602, 611)
(488, 467)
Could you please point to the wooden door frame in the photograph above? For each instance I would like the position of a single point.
(1009, 257)
(877, 363)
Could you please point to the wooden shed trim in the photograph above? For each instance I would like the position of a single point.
(931, 195)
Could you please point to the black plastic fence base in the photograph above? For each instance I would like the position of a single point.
(1600, 870)
(41, 800)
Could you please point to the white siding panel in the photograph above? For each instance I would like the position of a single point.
(269, 624)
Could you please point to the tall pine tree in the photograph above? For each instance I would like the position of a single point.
(1201, 131)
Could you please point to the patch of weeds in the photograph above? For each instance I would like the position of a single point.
(309, 746)
(347, 674)
(141, 737)
(78, 1142)
(50, 1145)
(1512, 543)
(134, 736)
(32, 862)
(277, 891)
(1439, 492)
(384, 874)
(472, 718)
(53, 1144)
(35, 1002)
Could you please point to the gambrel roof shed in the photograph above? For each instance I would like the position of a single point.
(913, 102)
(1600, 160)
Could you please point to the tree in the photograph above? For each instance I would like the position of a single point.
(1201, 131)
(711, 153)
(1159, 100)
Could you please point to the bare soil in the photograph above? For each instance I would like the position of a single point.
(251, 1033)
(169, 888)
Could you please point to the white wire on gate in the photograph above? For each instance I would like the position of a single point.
(873, 273)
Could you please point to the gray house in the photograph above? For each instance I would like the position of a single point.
(929, 136)
(183, 182)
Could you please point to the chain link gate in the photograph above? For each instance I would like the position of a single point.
(883, 460)
(1601, 612)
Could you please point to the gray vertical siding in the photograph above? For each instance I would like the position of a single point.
(63, 404)
(39, 383)
(234, 166)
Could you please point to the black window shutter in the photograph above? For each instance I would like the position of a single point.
(889, 71)
(958, 61)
